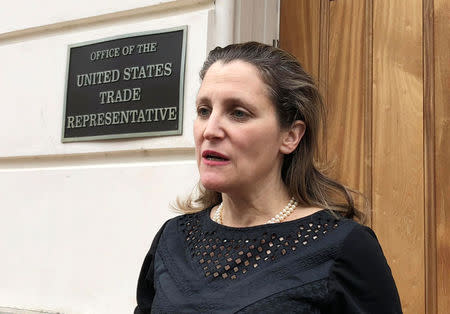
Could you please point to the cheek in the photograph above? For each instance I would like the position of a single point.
(259, 145)
(198, 133)
(198, 136)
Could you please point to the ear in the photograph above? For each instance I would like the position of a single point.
(292, 137)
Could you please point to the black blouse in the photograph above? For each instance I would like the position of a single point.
(317, 264)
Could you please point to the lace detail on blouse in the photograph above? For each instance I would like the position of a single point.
(229, 259)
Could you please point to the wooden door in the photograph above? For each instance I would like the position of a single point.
(384, 70)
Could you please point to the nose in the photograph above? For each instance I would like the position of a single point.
(214, 127)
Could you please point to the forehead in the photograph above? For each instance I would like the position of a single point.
(238, 77)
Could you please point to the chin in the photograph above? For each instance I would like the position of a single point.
(213, 184)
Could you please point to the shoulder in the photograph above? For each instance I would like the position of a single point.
(350, 238)
(182, 224)
(359, 242)
(361, 252)
(336, 229)
(361, 279)
(358, 251)
(188, 219)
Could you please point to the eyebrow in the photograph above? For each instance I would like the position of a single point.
(228, 101)
(201, 100)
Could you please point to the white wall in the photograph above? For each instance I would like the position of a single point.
(33, 72)
(78, 218)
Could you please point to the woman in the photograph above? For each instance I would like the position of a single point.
(267, 231)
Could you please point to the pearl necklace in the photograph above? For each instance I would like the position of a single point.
(282, 215)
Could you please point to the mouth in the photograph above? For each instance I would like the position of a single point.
(211, 155)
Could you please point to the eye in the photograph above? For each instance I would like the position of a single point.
(203, 112)
(239, 114)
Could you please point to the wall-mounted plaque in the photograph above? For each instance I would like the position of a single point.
(126, 86)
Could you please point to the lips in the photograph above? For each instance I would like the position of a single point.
(214, 158)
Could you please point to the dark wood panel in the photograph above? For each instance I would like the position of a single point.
(346, 94)
(301, 22)
(299, 32)
(398, 162)
(368, 103)
(429, 158)
(442, 148)
(323, 74)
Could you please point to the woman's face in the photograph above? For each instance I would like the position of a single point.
(237, 135)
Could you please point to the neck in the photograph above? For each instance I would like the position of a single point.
(251, 209)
